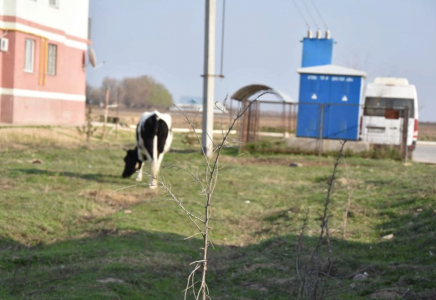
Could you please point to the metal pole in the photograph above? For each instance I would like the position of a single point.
(244, 123)
(405, 132)
(208, 78)
(118, 110)
(321, 129)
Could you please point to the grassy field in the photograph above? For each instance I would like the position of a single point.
(72, 228)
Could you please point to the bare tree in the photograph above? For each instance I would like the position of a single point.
(207, 183)
(135, 92)
(112, 85)
(94, 96)
(144, 91)
(312, 286)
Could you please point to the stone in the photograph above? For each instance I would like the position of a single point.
(360, 277)
(296, 165)
(110, 280)
(388, 237)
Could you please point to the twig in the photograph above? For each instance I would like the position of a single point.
(347, 207)
(404, 294)
(312, 291)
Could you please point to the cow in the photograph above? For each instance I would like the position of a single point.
(153, 139)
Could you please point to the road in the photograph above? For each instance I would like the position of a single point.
(425, 152)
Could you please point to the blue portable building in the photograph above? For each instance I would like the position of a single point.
(329, 102)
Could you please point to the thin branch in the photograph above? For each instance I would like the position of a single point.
(191, 236)
(195, 177)
(191, 277)
(347, 207)
(126, 187)
(196, 135)
(179, 203)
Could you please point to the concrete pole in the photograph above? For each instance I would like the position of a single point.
(208, 78)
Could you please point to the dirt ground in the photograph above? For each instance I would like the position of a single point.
(427, 131)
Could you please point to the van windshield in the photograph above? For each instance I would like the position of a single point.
(390, 108)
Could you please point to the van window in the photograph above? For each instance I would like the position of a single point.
(390, 108)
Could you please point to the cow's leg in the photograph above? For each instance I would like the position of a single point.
(155, 171)
(139, 173)
(153, 181)
(154, 165)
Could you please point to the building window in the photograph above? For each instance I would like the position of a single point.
(51, 62)
(29, 54)
(54, 3)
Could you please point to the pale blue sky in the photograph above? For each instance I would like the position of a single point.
(165, 39)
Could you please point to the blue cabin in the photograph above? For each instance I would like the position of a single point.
(329, 102)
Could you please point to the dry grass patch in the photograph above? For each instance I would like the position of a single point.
(22, 137)
(427, 132)
(6, 184)
(113, 200)
(272, 161)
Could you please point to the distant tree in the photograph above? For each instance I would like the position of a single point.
(94, 96)
(160, 96)
(135, 92)
(112, 85)
(144, 91)
(88, 93)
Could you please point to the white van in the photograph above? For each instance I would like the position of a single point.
(385, 102)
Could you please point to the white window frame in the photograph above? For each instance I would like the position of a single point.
(29, 52)
(54, 3)
(52, 60)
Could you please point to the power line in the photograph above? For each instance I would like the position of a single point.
(319, 14)
(301, 14)
(310, 15)
(222, 37)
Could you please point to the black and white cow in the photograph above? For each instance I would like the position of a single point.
(153, 140)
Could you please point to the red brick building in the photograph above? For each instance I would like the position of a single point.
(43, 47)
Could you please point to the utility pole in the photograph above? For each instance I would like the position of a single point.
(208, 78)
(118, 110)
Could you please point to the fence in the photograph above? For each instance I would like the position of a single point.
(334, 121)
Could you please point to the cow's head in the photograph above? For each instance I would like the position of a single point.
(132, 163)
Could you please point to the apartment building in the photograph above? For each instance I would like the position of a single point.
(43, 46)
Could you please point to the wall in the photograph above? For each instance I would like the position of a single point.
(71, 17)
(37, 98)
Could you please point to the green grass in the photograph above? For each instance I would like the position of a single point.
(66, 232)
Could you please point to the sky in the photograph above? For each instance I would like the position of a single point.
(262, 42)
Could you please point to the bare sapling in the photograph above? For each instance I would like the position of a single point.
(87, 129)
(207, 184)
(312, 286)
(347, 206)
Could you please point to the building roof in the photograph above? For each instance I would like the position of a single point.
(190, 100)
(247, 91)
(331, 70)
